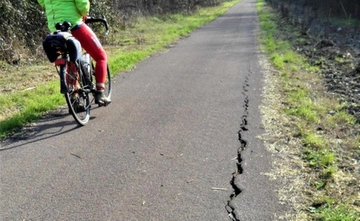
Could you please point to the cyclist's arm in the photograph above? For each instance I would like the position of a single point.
(83, 6)
(41, 2)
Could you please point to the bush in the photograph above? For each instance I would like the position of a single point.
(320, 8)
(24, 26)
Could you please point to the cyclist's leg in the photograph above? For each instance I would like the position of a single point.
(92, 45)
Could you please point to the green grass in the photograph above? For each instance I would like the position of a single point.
(317, 119)
(125, 48)
(314, 141)
(337, 213)
(28, 106)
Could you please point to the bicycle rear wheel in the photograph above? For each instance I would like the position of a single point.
(77, 97)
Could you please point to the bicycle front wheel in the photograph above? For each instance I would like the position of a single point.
(108, 84)
(108, 88)
(77, 97)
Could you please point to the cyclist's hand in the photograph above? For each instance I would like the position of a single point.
(84, 17)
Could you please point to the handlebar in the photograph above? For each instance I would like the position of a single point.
(103, 20)
(66, 25)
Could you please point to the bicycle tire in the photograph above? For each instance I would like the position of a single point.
(108, 83)
(77, 96)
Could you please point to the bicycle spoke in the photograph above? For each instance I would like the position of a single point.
(77, 97)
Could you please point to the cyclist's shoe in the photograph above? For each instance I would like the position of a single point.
(101, 99)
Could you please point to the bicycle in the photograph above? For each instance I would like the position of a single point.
(76, 74)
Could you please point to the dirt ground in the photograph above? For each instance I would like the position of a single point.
(336, 50)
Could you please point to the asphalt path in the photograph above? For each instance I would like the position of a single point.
(179, 141)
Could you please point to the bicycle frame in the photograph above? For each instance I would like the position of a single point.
(75, 81)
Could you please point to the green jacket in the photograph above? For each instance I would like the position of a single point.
(64, 10)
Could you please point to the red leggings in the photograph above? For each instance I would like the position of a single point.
(92, 45)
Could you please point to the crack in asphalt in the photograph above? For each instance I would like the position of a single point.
(230, 207)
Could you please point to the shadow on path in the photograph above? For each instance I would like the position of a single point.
(50, 125)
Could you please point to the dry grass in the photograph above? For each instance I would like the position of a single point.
(304, 187)
(288, 167)
(315, 142)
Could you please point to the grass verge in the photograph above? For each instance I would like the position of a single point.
(309, 131)
(32, 89)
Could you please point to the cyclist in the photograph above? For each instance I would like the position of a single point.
(75, 12)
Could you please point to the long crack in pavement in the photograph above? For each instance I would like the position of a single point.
(230, 207)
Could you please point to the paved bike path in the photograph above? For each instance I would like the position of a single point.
(166, 149)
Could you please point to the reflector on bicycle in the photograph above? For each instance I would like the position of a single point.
(60, 61)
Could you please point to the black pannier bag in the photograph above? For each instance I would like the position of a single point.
(60, 42)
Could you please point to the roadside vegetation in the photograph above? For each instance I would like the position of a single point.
(313, 136)
(311, 133)
(32, 88)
